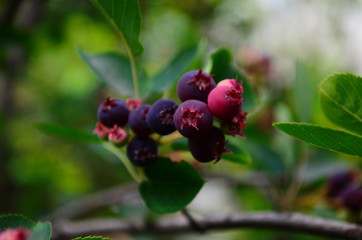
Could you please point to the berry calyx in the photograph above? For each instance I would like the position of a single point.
(235, 125)
(113, 112)
(15, 234)
(195, 84)
(142, 151)
(101, 130)
(193, 119)
(160, 116)
(118, 136)
(232, 83)
(133, 103)
(210, 147)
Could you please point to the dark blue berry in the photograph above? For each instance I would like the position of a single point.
(339, 181)
(160, 116)
(137, 121)
(195, 84)
(142, 151)
(113, 112)
(193, 119)
(208, 148)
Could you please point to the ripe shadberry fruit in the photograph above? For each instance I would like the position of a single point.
(224, 102)
(137, 121)
(142, 151)
(339, 182)
(160, 116)
(193, 119)
(118, 136)
(208, 148)
(113, 112)
(195, 84)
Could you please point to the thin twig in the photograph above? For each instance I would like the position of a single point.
(285, 222)
(193, 223)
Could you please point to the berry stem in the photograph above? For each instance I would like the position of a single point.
(122, 156)
(134, 72)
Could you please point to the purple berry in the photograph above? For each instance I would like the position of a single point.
(137, 121)
(195, 84)
(225, 102)
(339, 182)
(113, 112)
(352, 198)
(142, 151)
(208, 148)
(160, 116)
(193, 119)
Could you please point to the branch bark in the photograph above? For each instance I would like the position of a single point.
(286, 222)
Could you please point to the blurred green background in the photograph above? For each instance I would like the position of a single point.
(43, 79)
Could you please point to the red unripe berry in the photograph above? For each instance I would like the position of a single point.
(233, 83)
(195, 84)
(208, 148)
(101, 131)
(225, 102)
(118, 136)
(193, 119)
(14, 234)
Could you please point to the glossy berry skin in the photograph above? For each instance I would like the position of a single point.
(224, 102)
(208, 148)
(339, 182)
(195, 84)
(137, 121)
(193, 119)
(233, 83)
(160, 116)
(142, 151)
(113, 112)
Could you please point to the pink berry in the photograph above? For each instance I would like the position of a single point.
(233, 83)
(193, 119)
(118, 136)
(14, 234)
(101, 130)
(225, 102)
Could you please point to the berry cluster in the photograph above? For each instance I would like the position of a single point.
(202, 101)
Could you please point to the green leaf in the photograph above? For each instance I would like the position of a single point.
(303, 93)
(168, 75)
(238, 153)
(90, 238)
(327, 138)
(39, 231)
(67, 132)
(221, 66)
(170, 186)
(341, 99)
(125, 16)
(115, 70)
